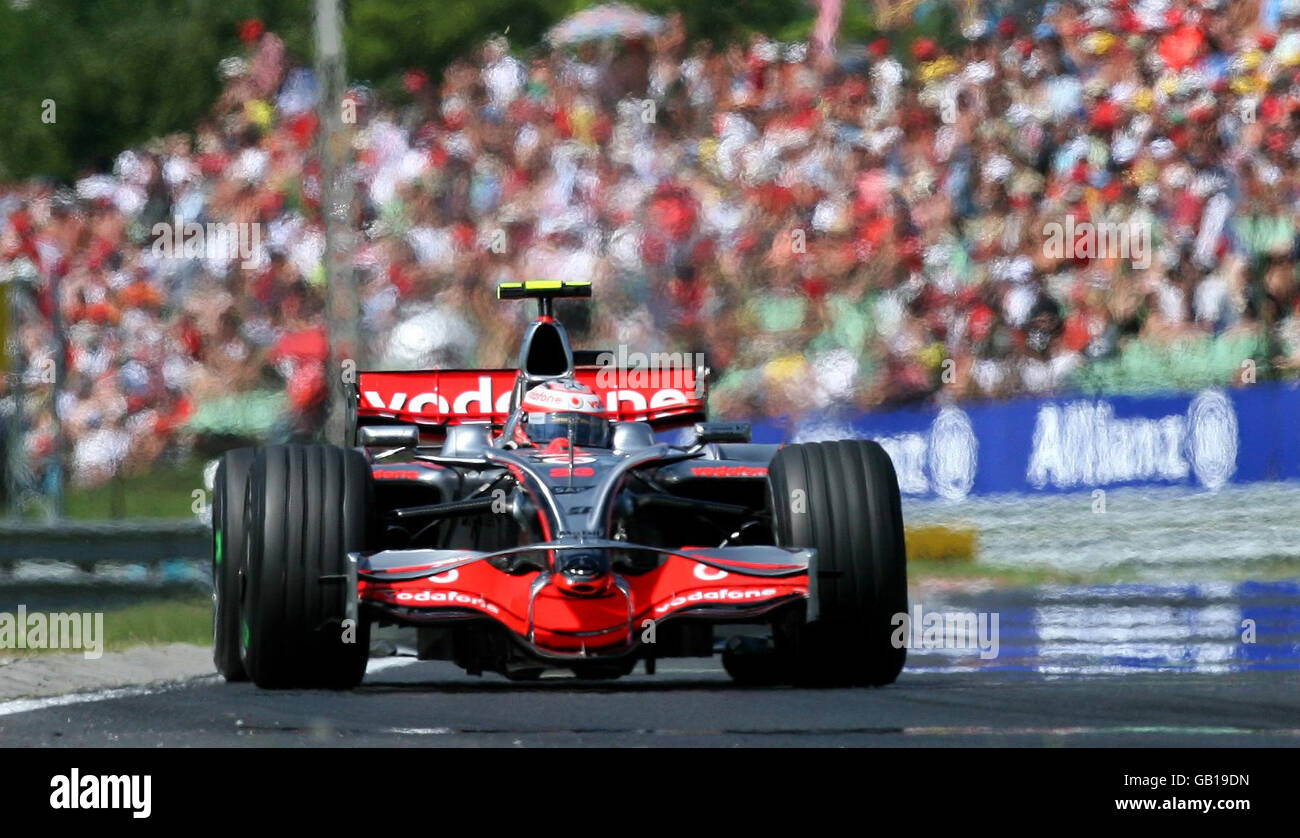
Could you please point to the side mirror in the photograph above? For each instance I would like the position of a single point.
(706, 432)
(389, 436)
(631, 436)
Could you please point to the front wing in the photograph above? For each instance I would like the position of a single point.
(445, 586)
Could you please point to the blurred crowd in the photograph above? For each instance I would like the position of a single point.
(844, 229)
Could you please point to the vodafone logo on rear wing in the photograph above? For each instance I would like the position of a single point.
(444, 397)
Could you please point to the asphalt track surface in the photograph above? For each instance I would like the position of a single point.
(689, 703)
(1103, 666)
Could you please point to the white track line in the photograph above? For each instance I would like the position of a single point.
(27, 705)
(380, 664)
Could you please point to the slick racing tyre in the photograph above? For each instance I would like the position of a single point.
(307, 507)
(228, 560)
(842, 499)
(604, 671)
(754, 662)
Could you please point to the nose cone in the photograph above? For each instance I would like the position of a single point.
(583, 572)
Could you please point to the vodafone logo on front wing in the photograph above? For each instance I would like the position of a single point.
(714, 596)
(447, 598)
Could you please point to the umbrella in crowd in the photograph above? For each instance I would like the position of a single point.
(611, 20)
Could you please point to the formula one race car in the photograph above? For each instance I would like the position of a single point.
(528, 520)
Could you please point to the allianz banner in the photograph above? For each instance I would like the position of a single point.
(1026, 446)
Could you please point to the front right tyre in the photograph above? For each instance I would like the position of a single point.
(307, 507)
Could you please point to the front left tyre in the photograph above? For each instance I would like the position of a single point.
(307, 507)
(842, 499)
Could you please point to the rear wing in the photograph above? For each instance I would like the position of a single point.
(665, 394)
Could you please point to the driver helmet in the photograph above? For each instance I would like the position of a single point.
(554, 409)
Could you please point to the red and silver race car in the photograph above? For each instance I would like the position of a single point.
(531, 519)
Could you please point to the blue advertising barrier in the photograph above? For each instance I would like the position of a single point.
(1068, 444)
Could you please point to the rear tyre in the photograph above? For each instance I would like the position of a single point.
(307, 507)
(842, 499)
(228, 560)
(755, 662)
(524, 674)
(604, 671)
